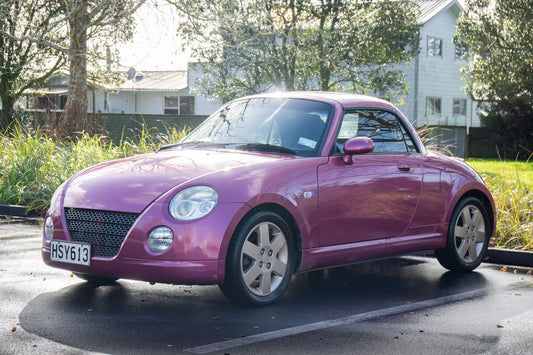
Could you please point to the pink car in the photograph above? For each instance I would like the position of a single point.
(268, 186)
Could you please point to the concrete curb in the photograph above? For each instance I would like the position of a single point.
(509, 257)
(17, 211)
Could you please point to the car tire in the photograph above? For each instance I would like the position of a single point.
(94, 280)
(469, 232)
(260, 260)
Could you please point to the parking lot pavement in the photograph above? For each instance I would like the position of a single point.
(408, 305)
(11, 227)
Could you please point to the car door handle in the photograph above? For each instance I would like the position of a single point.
(405, 169)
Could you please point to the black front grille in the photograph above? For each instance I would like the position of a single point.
(104, 230)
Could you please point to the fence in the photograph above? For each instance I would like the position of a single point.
(448, 139)
(124, 126)
(455, 141)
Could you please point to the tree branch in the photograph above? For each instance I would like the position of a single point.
(35, 40)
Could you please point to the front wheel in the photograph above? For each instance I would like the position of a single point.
(260, 260)
(468, 238)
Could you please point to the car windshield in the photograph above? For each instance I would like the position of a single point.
(279, 125)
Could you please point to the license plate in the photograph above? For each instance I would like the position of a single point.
(70, 252)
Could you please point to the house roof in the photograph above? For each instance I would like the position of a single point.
(430, 8)
(155, 80)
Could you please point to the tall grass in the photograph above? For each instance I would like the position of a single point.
(33, 164)
(511, 184)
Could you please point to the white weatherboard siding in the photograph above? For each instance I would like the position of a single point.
(440, 76)
(408, 106)
(204, 106)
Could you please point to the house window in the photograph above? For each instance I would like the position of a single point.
(460, 51)
(433, 106)
(179, 105)
(171, 105)
(459, 107)
(50, 102)
(434, 47)
(186, 105)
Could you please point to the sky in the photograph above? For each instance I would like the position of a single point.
(155, 44)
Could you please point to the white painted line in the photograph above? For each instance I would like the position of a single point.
(228, 344)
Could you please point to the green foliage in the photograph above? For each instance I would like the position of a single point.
(499, 34)
(254, 46)
(511, 184)
(24, 63)
(33, 165)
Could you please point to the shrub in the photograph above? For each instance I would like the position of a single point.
(33, 164)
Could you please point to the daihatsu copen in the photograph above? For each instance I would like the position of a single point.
(269, 186)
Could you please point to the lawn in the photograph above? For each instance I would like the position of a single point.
(518, 171)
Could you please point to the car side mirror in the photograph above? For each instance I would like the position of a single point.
(355, 146)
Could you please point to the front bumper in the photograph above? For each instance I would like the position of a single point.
(195, 257)
(176, 272)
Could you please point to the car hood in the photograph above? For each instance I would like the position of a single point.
(130, 184)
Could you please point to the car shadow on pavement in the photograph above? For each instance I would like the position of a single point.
(136, 317)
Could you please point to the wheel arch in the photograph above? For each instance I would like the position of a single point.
(289, 219)
(485, 200)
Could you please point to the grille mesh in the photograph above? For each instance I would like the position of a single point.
(104, 230)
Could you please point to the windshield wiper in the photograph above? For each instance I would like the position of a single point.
(260, 147)
(253, 147)
(193, 145)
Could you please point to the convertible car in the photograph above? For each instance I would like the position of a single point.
(268, 186)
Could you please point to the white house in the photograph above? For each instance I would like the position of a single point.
(153, 92)
(144, 93)
(435, 82)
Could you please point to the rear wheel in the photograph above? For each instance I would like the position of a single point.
(260, 260)
(469, 233)
(97, 280)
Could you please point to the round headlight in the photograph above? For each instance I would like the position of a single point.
(160, 239)
(49, 228)
(193, 202)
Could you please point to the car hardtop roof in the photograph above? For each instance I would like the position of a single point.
(343, 98)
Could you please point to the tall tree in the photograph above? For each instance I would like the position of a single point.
(90, 20)
(29, 51)
(92, 26)
(499, 36)
(250, 46)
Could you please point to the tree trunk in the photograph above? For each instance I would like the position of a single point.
(7, 115)
(75, 119)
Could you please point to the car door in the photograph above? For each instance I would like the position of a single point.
(377, 195)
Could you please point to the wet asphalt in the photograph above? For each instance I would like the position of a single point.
(405, 305)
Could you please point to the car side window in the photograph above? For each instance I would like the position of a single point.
(383, 127)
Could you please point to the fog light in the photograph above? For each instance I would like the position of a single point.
(49, 228)
(160, 239)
